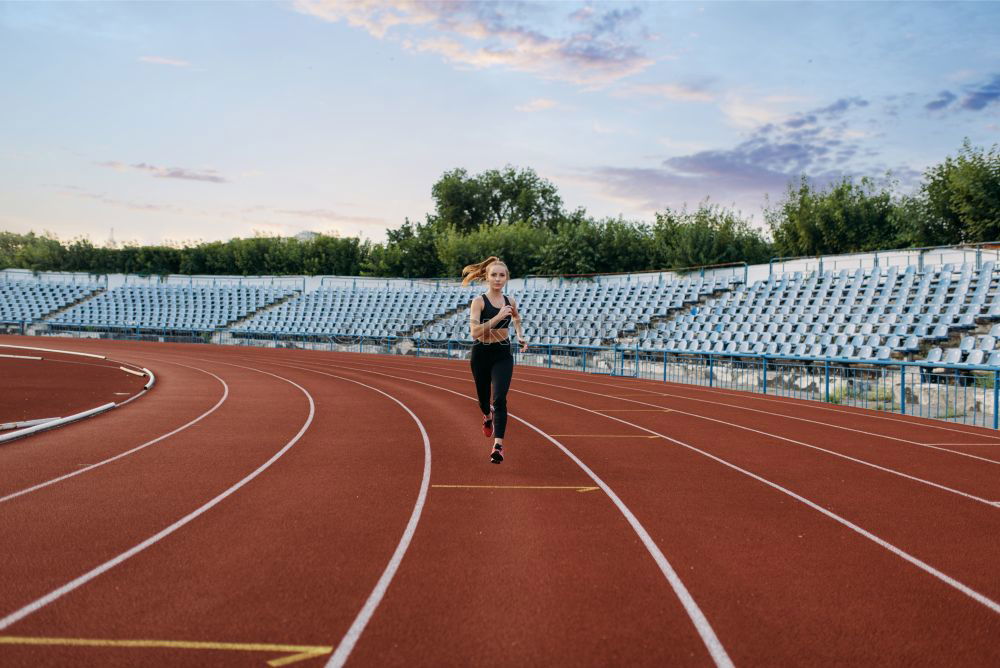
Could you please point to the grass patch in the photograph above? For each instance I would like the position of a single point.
(879, 395)
(984, 380)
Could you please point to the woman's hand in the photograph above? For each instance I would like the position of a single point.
(524, 345)
(505, 311)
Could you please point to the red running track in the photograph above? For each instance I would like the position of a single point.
(316, 507)
(45, 384)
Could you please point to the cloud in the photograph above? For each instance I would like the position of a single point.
(976, 97)
(75, 191)
(676, 92)
(752, 114)
(539, 104)
(208, 175)
(817, 143)
(944, 98)
(157, 60)
(333, 217)
(982, 95)
(599, 48)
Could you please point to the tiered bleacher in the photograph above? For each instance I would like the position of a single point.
(590, 313)
(358, 311)
(865, 314)
(171, 307)
(28, 301)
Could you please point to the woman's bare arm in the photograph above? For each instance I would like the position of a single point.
(515, 316)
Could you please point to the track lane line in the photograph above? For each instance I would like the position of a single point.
(989, 603)
(698, 619)
(354, 632)
(67, 476)
(806, 404)
(791, 402)
(735, 425)
(59, 592)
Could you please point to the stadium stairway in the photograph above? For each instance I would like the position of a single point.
(672, 314)
(446, 316)
(40, 322)
(226, 329)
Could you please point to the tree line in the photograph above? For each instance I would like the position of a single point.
(519, 216)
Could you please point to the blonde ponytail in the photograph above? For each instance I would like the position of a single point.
(478, 272)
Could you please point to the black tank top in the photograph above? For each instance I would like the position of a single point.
(489, 311)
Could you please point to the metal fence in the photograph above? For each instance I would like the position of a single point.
(965, 394)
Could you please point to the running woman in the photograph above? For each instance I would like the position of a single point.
(492, 363)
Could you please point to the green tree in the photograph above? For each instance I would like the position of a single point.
(708, 235)
(962, 196)
(410, 251)
(843, 218)
(495, 197)
(519, 245)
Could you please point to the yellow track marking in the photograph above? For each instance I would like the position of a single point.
(301, 652)
(959, 444)
(603, 436)
(577, 488)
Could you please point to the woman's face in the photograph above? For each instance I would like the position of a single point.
(497, 276)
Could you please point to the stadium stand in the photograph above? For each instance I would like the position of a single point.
(28, 301)
(358, 311)
(945, 313)
(588, 313)
(171, 307)
(857, 315)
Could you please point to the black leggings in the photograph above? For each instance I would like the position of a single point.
(493, 363)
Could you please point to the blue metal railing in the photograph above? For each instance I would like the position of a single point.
(962, 393)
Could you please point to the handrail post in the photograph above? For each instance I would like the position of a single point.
(902, 389)
(827, 374)
(996, 398)
(711, 374)
(765, 373)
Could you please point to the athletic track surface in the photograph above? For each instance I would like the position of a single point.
(286, 507)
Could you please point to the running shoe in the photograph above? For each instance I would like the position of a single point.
(488, 425)
(497, 455)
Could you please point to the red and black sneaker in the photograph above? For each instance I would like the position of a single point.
(497, 455)
(488, 425)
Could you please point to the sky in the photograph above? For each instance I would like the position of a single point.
(182, 122)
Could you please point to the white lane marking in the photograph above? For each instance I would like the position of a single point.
(52, 350)
(789, 440)
(55, 594)
(944, 488)
(927, 568)
(682, 397)
(965, 589)
(52, 424)
(34, 488)
(353, 634)
(704, 628)
(791, 402)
